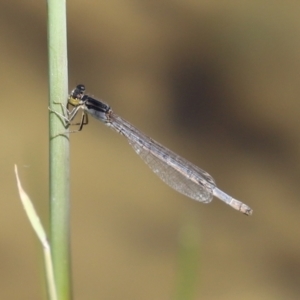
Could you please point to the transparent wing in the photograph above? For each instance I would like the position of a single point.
(171, 176)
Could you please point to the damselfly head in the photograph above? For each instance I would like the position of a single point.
(78, 92)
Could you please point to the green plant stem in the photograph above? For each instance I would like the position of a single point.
(59, 148)
(189, 256)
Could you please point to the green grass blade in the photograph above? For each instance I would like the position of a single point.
(41, 234)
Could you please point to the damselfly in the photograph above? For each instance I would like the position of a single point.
(174, 170)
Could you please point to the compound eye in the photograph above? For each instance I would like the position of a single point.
(81, 88)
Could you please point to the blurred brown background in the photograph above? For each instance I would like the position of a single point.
(215, 81)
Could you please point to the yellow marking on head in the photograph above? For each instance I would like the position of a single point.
(74, 101)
